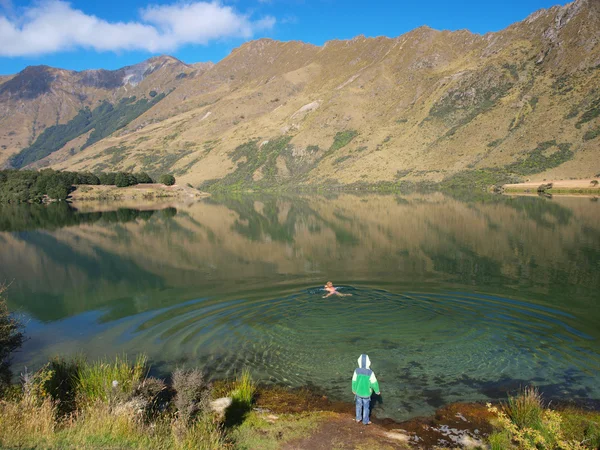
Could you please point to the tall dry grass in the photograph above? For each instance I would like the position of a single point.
(130, 414)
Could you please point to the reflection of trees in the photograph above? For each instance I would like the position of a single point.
(256, 225)
(269, 223)
(540, 210)
(532, 248)
(98, 272)
(26, 217)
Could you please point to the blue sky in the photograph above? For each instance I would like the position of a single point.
(84, 34)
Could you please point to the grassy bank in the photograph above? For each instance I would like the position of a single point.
(114, 404)
(138, 193)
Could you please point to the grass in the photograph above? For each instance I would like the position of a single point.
(258, 432)
(103, 380)
(524, 423)
(582, 426)
(525, 409)
(138, 413)
(244, 389)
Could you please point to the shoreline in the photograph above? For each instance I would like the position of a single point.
(589, 187)
(137, 194)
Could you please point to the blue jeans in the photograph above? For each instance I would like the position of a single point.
(362, 404)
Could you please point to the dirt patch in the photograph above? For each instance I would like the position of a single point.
(589, 186)
(342, 432)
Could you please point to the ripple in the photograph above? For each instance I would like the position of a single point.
(472, 346)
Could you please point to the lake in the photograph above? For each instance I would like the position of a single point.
(453, 300)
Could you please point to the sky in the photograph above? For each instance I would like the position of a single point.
(109, 34)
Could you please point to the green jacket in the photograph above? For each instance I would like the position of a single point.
(364, 381)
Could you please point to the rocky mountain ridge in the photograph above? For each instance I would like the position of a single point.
(427, 105)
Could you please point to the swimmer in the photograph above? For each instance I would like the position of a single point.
(331, 290)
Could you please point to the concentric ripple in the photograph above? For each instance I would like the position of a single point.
(427, 349)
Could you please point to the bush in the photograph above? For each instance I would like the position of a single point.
(123, 179)
(341, 139)
(143, 178)
(107, 179)
(192, 393)
(167, 180)
(11, 339)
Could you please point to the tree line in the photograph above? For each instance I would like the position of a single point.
(23, 217)
(30, 186)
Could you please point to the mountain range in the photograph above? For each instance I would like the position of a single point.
(427, 106)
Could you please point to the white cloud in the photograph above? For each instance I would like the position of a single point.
(53, 26)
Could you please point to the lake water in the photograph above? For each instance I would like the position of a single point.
(452, 300)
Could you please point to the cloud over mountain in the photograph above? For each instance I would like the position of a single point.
(54, 25)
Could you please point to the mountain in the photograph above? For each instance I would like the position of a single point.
(426, 106)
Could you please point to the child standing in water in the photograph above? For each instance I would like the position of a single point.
(331, 290)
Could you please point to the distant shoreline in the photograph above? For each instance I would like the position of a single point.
(133, 195)
(585, 187)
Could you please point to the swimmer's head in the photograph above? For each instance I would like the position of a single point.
(329, 284)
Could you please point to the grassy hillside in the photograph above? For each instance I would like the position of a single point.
(427, 106)
(101, 122)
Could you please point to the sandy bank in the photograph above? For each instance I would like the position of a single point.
(587, 186)
(135, 196)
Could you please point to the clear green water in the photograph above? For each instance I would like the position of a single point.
(452, 300)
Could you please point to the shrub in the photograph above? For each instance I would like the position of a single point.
(167, 180)
(11, 339)
(143, 178)
(123, 179)
(61, 384)
(341, 139)
(107, 179)
(192, 393)
(591, 134)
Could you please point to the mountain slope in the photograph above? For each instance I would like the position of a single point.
(426, 105)
(40, 96)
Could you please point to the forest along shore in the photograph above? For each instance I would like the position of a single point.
(587, 186)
